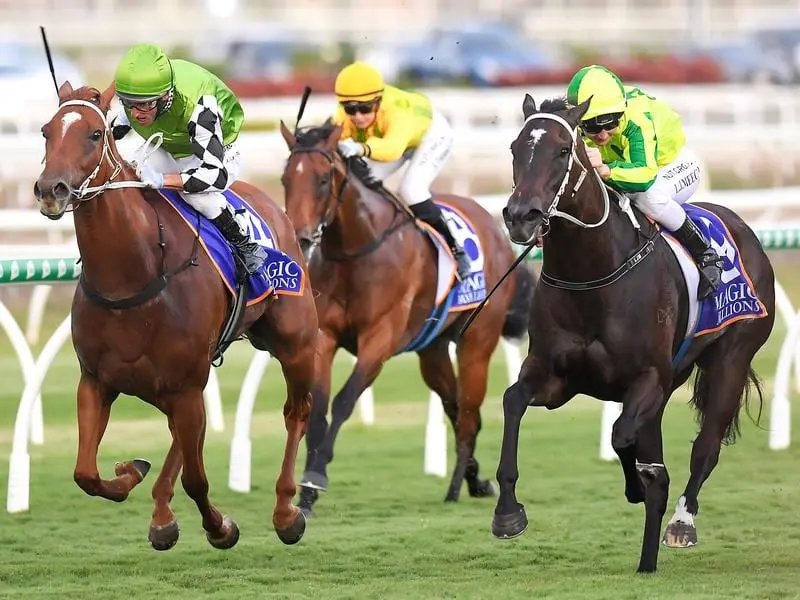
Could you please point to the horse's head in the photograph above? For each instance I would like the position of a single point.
(77, 143)
(309, 181)
(543, 156)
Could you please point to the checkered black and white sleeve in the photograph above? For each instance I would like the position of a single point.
(205, 133)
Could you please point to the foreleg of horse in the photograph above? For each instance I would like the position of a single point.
(188, 416)
(725, 383)
(311, 480)
(636, 438)
(373, 350)
(94, 409)
(474, 355)
(535, 387)
(298, 371)
(164, 530)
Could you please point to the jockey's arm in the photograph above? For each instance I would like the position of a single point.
(638, 174)
(395, 139)
(205, 133)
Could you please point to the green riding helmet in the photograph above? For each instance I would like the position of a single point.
(602, 86)
(144, 74)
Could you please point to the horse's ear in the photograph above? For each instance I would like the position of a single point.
(528, 106)
(334, 136)
(65, 91)
(106, 97)
(575, 113)
(288, 136)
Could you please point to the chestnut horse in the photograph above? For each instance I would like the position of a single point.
(147, 319)
(615, 318)
(375, 276)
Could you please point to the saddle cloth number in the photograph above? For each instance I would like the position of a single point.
(252, 226)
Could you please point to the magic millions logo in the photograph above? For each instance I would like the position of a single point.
(285, 274)
(472, 289)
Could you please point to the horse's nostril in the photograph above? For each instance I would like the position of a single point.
(532, 214)
(37, 192)
(61, 190)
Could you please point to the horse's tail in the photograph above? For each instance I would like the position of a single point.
(516, 323)
(701, 396)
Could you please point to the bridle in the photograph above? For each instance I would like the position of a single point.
(87, 191)
(552, 211)
(332, 207)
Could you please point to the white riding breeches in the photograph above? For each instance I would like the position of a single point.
(210, 204)
(674, 185)
(424, 163)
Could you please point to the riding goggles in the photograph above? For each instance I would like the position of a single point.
(364, 108)
(601, 123)
(142, 104)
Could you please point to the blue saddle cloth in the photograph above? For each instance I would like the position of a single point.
(280, 272)
(452, 295)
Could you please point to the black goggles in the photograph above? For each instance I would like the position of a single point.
(364, 108)
(601, 123)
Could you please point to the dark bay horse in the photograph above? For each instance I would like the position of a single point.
(149, 314)
(374, 276)
(609, 321)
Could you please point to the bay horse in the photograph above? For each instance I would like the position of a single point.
(375, 278)
(612, 320)
(148, 316)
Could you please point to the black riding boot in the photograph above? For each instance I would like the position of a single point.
(708, 261)
(429, 212)
(251, 253)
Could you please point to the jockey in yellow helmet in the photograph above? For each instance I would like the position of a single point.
(199, 118)
(389, 127)
(637, 145)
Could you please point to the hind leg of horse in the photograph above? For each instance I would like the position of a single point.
(534, 387)
(188, 416)
(474, 355)
(312, 482)
(374, 348)
(164, 531)
(437, 372)
(726, 380)
(298, 371)
(94, 410)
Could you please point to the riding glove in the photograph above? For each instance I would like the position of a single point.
(349, 148)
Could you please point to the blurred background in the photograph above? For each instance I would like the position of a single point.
(731, 67)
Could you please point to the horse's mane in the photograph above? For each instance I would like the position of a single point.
(554, 105)
(308, 137)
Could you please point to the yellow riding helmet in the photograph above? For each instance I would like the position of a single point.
(358, 82)
(605, 89)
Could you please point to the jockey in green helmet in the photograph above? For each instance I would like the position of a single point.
(199, 118)
(637, 145)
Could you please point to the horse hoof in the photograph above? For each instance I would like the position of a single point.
(482, 489)
(227, 540)
(293, 533)
(452, 496)
(140, 465)
(163, 537)
(510, 526)
(314, 481)
(679, 535)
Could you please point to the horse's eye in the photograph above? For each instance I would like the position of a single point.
(565, 151)
(324, 179)
(96, 135)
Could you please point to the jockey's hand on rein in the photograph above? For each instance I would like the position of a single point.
(150, 177)
(349, 147)
(595, 159)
